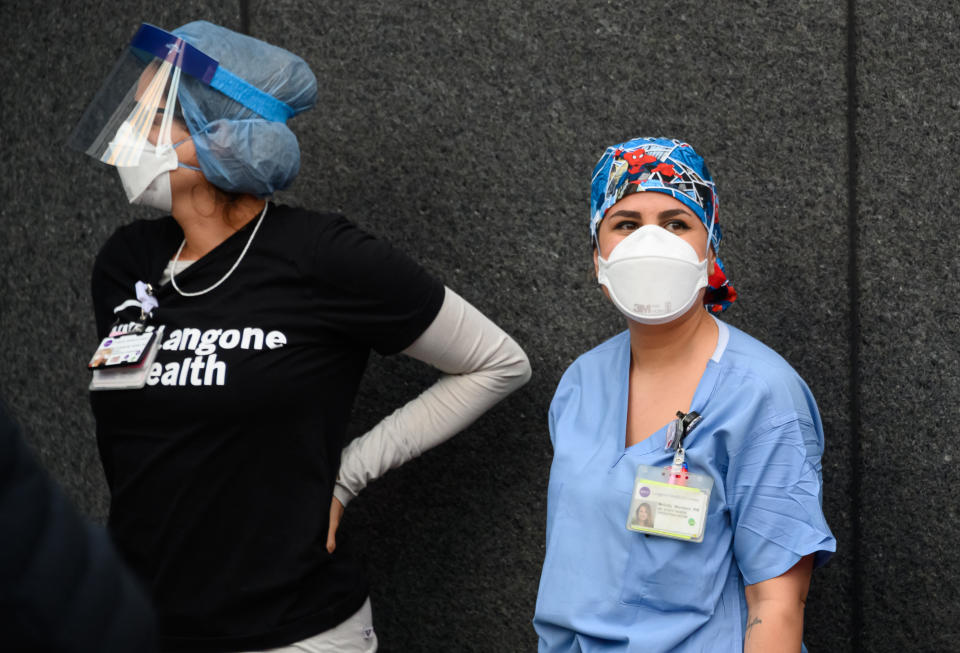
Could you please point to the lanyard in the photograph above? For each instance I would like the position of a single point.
(677, 432)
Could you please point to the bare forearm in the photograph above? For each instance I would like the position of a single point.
(774, 627)
(775, 610)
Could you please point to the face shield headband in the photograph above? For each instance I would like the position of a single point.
(139, 97)
(666, 166)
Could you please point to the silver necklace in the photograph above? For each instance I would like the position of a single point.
(176, 259)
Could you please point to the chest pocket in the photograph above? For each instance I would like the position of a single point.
(670, 575)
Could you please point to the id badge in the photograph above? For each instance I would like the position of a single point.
(659, 507)
(124, 362)
(121, 351)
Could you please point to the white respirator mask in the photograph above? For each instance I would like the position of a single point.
(653, 276)
(148, 182)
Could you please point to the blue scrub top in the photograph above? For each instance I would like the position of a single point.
(605, 588)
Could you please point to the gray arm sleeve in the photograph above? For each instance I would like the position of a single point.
(481, 366)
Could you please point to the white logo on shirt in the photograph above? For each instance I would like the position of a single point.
(203, 368)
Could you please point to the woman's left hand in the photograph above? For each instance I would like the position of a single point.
(336, 513)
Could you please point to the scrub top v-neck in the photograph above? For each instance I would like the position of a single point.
(606, 588)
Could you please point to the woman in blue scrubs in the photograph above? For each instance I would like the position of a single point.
(742, 471)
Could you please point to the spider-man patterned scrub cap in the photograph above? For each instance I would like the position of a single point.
(669, 166)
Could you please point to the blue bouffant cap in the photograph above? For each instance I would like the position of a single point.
(241, 150)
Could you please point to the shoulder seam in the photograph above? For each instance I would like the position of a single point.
(775, 422)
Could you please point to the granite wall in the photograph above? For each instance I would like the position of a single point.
(465, 133)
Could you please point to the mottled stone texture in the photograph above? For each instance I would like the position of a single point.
(908, 142)
(465, 133)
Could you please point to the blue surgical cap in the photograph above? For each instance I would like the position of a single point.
(663, 165)
(672, 167)
(239, 149)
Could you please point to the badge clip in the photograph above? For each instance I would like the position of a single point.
(680, 428)
(147, 298)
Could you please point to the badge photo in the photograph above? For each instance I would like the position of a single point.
(659, 507)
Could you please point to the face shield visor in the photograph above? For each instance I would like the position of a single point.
(137, 104)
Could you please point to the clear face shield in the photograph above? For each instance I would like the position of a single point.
(134, 111)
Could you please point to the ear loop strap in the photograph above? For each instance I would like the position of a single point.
(179, 162)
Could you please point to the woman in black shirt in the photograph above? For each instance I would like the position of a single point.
(222, 443)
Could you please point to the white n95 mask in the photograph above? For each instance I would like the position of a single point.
(148, 182)
(653, 276)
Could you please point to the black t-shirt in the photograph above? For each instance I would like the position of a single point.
(221, 469)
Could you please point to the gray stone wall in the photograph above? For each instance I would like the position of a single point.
(465, 133)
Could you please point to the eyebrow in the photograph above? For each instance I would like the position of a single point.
(663, 215)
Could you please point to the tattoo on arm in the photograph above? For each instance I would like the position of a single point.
(756, 620)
